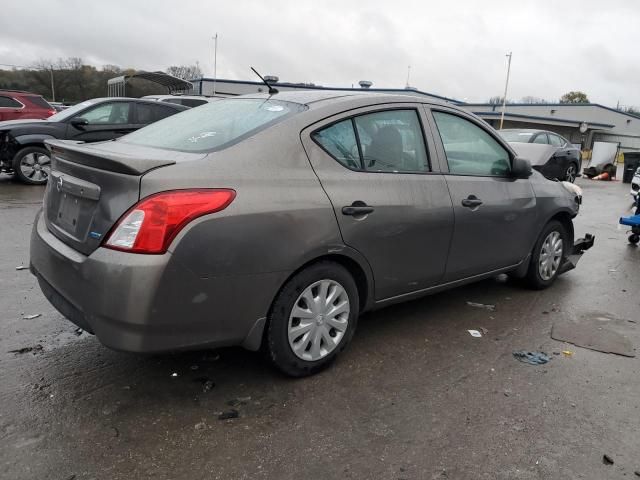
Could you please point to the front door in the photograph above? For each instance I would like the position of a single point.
(494, 212)
(106, 121)
(390, 204)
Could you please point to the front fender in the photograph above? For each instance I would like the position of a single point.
(32, 139)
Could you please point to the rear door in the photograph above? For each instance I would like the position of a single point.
(106, 121)
(494, 212)
(391, 202)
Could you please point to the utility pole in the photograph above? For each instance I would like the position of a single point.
(215, 62)
(53, 89)
(408, 73)
(506, 86)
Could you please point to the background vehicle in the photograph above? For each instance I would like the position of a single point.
(635, 184)
(565, 164)
(186, 100)
(15, 105)
(22, 150)
(275, 220)
(59, 106)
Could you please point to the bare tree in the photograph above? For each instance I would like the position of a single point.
(186, 72)
(532, 100)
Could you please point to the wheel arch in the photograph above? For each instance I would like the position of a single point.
(565, 218)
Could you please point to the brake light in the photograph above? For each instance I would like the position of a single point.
(151, 225)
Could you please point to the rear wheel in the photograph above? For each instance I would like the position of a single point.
(571, 173)
(634, 238)
(312, 319)
(549, 252)
(32, 165)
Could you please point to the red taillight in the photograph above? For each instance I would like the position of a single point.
(151, 224)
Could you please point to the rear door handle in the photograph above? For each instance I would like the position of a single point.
(357, 208)
(471, 201)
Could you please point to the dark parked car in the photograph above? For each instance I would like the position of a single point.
(565, 162)
(276, 220)
(16, 105)
(22, 150)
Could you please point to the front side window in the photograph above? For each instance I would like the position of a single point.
(115, 113)
(8, 102)
(470, 150)
(214, 126)
(389, 141)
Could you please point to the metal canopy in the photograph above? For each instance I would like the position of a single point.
(117, 87)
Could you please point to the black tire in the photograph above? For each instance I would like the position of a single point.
(278, 348)
(634, 238)
(571, 172)
(39, 174)
(534, 277)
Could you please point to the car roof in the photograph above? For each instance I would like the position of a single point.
(314, 97)
(19, 93)
(93, 101)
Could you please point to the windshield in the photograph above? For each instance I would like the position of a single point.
(516, 135)
(213, 126)
(68, 112)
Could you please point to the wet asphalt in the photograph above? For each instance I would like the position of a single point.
(414, 397)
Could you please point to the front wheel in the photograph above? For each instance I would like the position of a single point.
(549, 252)
(312, 319)
(32, 165)
(571, 173)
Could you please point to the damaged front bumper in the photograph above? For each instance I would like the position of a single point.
(579, 247)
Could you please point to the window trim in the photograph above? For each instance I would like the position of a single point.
(469, 118)
(22, 106)
(362, 169)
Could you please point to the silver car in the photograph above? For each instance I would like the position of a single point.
(275, 221)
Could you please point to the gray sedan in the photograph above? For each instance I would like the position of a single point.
(274, 221)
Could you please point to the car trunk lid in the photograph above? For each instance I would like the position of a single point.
(91, 186)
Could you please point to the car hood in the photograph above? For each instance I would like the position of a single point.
(10, 123)
(537, 153)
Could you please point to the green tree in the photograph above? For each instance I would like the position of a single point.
(574, 97)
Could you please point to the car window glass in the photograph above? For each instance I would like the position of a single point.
(392, 141)
(541, 138)
(555, 140)
(470, 150)
(339, 140)
(8, 102)
(193, 102)
(149, 113)
(108, 114)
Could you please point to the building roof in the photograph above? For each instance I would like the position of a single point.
(560, 105)
(537, 119)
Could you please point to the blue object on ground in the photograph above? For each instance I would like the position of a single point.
(532, 358)
(631, 221)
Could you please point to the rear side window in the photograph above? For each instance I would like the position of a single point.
(214, 126)
(541, 138)
(470, 150)
(39, 102)
(389, 141)
(556, 141)
(152, 113)
(8, 102)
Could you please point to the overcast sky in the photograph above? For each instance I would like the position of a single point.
(455, 48)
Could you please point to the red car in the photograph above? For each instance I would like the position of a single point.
(17, 105)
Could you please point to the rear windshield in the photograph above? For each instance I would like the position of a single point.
(516, 136)
(213, 126)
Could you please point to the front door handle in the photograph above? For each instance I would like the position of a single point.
(471, 201)
(357, 208)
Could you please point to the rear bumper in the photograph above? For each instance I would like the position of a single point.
(579, 247)
(149, 303)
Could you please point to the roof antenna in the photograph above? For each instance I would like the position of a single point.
(272, 90)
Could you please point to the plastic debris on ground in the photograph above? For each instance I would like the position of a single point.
(532, 358)
(607, 460)
(233, 413)
(22, 267)
(474, 333)
(486, 306)
(567, 353)
(174, 374)
(31, 317)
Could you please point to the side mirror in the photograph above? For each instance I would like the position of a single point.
(79, 122)
(521, 168)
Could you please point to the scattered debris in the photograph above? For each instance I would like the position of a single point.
(607, 460)
(507, 393)
(31, 317)
(207, 383)
(34, 349)
(116, 432)
(174, 374)
(590, 332)
(486, 306)
(484, 330)
(545, 312)
(194, 367)
(567, 353)
(236, 402)
(613, 270)
(22, 267)
(233, 413)
(200, 426)
(72, 477)
(637, 473)
(532, 358)
(556, 353)
(474, 333)
(78, 331)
